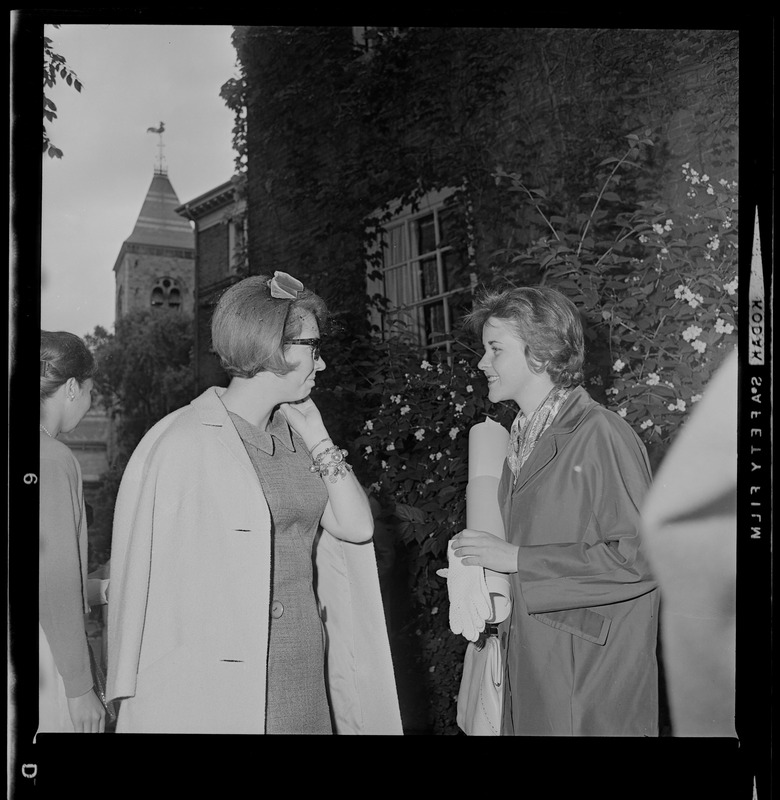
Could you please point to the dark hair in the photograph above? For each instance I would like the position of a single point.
(546, 320)
(63, 356)
(249, 327)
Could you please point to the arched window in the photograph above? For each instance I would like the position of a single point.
(166, 294)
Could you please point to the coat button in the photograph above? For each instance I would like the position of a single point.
(277, 609)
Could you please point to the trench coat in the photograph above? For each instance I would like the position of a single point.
(191, 590)
(581, 639)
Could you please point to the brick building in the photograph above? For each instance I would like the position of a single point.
(219, 222)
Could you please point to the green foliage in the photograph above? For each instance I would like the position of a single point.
(656, 284)
(413, 447)
(54, 68)
(144, 369)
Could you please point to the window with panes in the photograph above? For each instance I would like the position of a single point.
(425, 278)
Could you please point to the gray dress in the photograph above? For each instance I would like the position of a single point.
(297, 700)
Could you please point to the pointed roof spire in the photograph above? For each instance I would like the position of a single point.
(158, 223)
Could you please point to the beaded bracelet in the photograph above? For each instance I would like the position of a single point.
(330, 464)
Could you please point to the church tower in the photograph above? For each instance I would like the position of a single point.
(155, 267)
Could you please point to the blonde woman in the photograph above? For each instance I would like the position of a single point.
(244, 595)
(581, 639)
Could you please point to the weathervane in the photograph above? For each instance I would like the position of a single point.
(160, 168)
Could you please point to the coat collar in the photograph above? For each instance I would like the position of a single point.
(214, 416)
(577, 406)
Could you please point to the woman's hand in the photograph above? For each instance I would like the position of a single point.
(482, 549)
(87, 713)
(305, 419)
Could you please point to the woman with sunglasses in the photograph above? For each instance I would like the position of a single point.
(245, 596)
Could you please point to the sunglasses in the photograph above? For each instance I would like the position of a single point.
(313, 343)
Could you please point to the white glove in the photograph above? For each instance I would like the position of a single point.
(469, 596)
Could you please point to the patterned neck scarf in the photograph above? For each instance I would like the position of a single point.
(525, 431)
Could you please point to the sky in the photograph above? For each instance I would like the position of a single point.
(134, 77)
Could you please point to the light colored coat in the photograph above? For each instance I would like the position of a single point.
(191, 588)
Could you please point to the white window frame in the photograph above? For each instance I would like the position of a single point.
(237, 235)
(404, 290)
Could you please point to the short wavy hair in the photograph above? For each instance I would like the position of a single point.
(249, 327)
(546, 320)
(63, 355)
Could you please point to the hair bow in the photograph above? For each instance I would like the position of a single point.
(284, 286)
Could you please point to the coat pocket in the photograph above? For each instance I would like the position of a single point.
(582, 622)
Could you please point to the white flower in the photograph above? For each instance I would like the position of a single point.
(691, 332)
(648, 423)
(425, 365)
(714, 243)
(658, 228)
(621, 412)
(404, 410)
(454, 432)
(419, 434)
(731, 287)
(695, 300)
(695, 398)
(369, 425)
(618, 365)
(396, 398)
(390, 446)
(459, 407)
(384, 464)
(653, 379)
(710, 190)
(681, 405)
(469, 388)
(699, 345)
(723, 327)
(434, 610)
(369, 449)
(642, 238)
(705, 177)
(668, 225)
(680, 290)
(435, 456)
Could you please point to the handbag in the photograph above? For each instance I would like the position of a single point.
(99, 682)
(481, 694)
